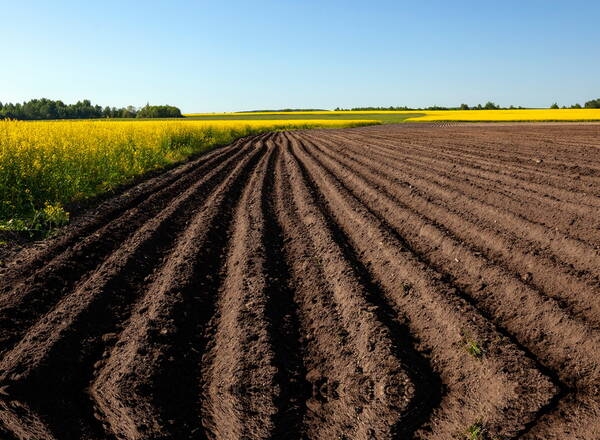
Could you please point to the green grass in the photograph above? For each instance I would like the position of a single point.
(475, 432)
(43, 222)
(474, 349)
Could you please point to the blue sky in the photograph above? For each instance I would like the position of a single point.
(242, 55)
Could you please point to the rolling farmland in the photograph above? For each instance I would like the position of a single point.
(430, 281)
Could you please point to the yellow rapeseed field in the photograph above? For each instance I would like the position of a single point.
(396, 116)
(586, 114)
(47, 164)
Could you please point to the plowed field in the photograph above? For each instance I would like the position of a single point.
(410, 281)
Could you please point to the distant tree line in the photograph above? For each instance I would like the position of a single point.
(359, 109)
(38, 109)
(488, 106)
(594, 103)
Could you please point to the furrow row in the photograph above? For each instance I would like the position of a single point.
(500, 148)
(443, 321)
(535, 269)
(581, 255)
(569, 217)
(562, 345)
(97, 310)
(148, 385)
(238, 368)
(578, 188)
(360, 387)
(445, 158)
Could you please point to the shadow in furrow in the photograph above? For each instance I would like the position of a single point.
(282, 315)
(177, 389)
(428, 385)
(447, 278)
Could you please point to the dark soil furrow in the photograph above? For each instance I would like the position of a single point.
(576, 416)
(239, 372)
(387, 213)
(24, 357)
(527, 164)
(474, 246)
(359, 388)
(482, 281)
(19, 422)
(427, 294)
(496, 191)
(47, 358)
(579, 370)
(581, 255)
(441, 152)
(428, 387)
(282, 320)
(499, 192)
(440, 199)
(148, 387)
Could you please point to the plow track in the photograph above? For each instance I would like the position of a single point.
(399, 282)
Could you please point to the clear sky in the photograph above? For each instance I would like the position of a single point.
(242, 55)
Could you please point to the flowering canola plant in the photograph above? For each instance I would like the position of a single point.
(585, 114)
(47, 164)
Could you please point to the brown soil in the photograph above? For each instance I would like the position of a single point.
(407, 281)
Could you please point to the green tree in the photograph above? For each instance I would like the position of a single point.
(159, 111)
(594, 103)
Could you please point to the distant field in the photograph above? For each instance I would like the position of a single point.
(45, 165)
(383, 117)
(388, 117)
(509, 115)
